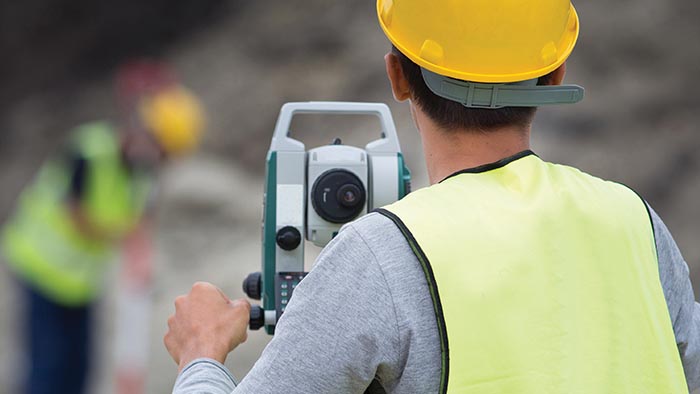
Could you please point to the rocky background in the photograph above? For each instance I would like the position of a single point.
(638, 125)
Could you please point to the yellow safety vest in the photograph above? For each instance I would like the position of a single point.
(42, 244)
(544, 280)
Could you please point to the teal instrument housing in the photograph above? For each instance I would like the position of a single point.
(269, 232)
(404, 177)
(310, 195)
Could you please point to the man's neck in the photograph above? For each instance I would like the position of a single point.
(449, 151)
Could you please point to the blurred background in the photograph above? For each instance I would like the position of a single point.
(637, 125)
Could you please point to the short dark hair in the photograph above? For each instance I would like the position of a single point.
(451, 115)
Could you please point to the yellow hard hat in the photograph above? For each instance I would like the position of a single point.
(489, 41)
(175, 117)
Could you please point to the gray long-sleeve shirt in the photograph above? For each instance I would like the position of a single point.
(364, 311)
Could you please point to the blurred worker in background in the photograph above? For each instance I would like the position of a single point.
(507, 275)
(86, 203)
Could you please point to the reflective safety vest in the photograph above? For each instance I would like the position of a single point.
(42, 242)
(544, 280)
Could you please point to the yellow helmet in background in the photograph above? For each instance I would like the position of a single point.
(175, 117)
(489, 41)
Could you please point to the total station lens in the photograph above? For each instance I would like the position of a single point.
(348, 195)
(338, 196)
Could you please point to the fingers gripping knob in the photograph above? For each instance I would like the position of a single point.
(257, 317)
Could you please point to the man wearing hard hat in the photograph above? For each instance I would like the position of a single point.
(82, 205)
(508, 275)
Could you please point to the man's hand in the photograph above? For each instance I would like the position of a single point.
(206, 323)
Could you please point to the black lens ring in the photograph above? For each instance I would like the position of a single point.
(334, 211)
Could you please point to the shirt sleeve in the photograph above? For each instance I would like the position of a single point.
(678, 291)
(204, 376)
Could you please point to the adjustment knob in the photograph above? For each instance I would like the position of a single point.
(288, 238)
(252, 285)
(257, 317)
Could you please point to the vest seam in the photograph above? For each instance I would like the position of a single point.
(651, 219)
(492, 166)
(435, 295)
(656, 252)
(653, 231)
(658, 267)
(391, 295)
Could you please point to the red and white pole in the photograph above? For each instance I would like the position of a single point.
(134, 305)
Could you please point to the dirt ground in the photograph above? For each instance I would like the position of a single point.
(638, 125)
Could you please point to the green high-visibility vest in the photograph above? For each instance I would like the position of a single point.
(544, 280)
(41, 241)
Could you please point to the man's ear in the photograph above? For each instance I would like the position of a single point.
(399, 83)
(558, 76)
